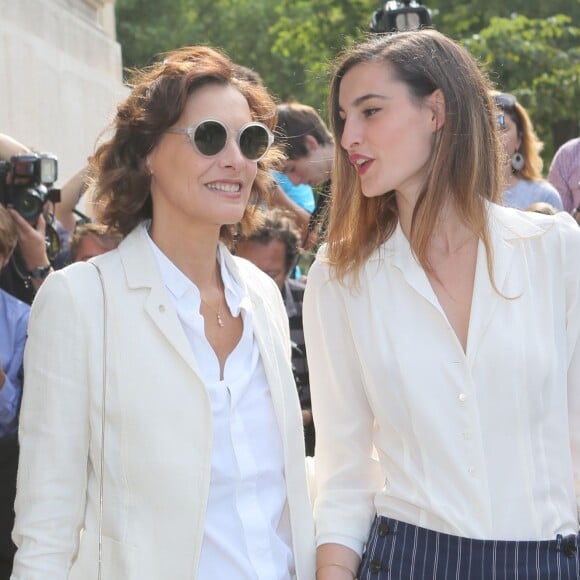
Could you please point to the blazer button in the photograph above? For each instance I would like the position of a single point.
(375, 566)
(383, 530)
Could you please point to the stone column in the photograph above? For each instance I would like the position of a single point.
(60, 75)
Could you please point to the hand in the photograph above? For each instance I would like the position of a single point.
(31, 240)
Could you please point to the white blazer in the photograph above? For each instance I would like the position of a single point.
(158, 425)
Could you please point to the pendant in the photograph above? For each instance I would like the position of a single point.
(220, 321)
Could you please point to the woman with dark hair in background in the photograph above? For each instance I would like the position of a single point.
(161, 435)
(442, 334)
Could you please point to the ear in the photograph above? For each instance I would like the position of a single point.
(311, 143)
(436, 104)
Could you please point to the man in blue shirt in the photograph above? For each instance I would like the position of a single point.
(13, 324)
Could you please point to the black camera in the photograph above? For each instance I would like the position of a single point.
(400, 15)
(25, 183)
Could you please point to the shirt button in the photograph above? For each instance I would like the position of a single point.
(383, 530)
(471, 470)
(467, 435)
(462, 397)
(375, 566)
(162, 308)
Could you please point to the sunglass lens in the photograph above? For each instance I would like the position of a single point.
(210, 138)
(254, 142)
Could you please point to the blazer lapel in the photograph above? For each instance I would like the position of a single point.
(141, 271)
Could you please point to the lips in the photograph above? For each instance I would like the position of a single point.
(362, 163)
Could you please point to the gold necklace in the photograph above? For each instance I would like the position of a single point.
(219, 310)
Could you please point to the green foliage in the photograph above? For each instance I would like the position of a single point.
(291, 43)
(538, 60)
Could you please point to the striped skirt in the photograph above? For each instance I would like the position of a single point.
(400, 551)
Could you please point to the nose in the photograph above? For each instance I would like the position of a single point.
(232, 155)
(350, 135)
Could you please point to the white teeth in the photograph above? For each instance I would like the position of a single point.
(359, 162)
(228, 187)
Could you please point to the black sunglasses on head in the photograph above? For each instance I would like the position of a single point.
(505, 100)
(210, 136)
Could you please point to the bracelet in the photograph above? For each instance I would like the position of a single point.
(336, 566)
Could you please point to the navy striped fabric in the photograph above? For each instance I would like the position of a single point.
(399, 551)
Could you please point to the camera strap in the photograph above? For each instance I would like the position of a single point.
(103, 412)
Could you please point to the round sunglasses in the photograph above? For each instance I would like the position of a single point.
(209, 137)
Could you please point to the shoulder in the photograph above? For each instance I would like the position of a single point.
(74, 286)
(511, 223)
(568, 150)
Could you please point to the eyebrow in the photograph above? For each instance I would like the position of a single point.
(360, 100)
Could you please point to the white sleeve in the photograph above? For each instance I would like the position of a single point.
(54, 436)
(347, 474)
(570, 233)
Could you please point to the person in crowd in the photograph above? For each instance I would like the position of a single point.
(308, 144)
(160, 416)
(442, 333)
(91, 239)
(282, 196)
(523, 182)
(275, 247)
(564, 173)
(309, 149)
(302, 194)
(13, 323)
(31, 263)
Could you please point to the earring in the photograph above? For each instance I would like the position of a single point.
(518, 161)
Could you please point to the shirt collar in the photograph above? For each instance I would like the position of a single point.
(178, 284)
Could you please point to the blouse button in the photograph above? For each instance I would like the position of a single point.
(383, 530)
(162, 308)
(462, 397)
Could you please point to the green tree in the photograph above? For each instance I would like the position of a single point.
(291, 43)
(538, 60)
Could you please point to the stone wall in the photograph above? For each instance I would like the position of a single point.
(60, 75)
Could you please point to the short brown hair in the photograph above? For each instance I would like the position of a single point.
(295, 121)
(158, 98)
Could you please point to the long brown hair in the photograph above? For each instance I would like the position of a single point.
(158, 97)
(464, 166)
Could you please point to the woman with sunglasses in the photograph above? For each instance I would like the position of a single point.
(523, 181)
(442, 334)
(161, 433)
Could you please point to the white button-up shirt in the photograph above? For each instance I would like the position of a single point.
(247, 527)
(483, 443)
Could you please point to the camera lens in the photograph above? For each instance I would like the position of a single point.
(52, 242)
(28, 204)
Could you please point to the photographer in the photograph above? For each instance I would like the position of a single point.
(30, 263)
(13, 323)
